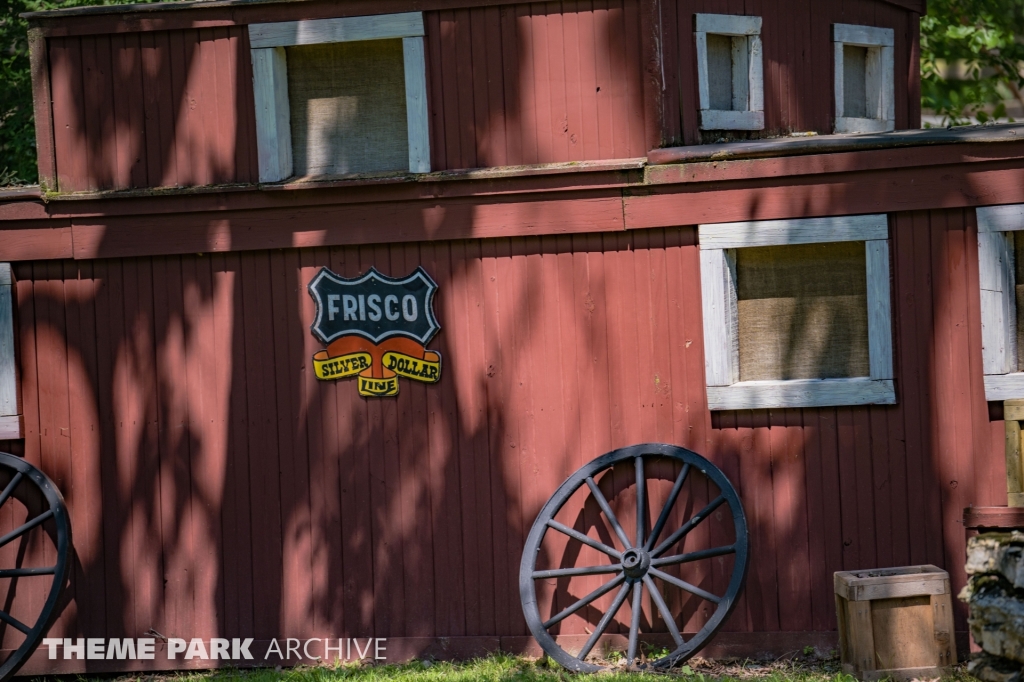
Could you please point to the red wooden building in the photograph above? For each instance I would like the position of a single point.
(647, 222)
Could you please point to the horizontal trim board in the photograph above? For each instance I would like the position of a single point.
(928, 138)
(345, 29)
(1004, 386)
(728, 24)
(713, 119)
(250, 217)
(12, 427)
(760, 395)
(865, 36)
(793, 231)
(1001, 218)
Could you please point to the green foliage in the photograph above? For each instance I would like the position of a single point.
(17, 133)
(971, 58)
(507, 668)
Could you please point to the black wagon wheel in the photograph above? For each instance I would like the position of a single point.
(625, 565)
(35, 541)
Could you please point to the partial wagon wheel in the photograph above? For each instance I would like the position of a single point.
(640, 562)
(35, 543)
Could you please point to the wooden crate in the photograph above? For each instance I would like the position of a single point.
(895, 622)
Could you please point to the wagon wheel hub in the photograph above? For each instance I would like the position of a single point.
(635, 563)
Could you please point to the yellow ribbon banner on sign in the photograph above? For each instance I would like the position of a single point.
(417, 369)
(341, 366)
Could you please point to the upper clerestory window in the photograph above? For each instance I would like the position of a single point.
(340, 96)
(864, 79)
(729, 72)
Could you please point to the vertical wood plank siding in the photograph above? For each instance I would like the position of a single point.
(536, 83)
(217, 488)
(158, 109)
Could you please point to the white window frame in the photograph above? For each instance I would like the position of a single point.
(879, 77)
(998, 301)
(748, 113)
(270, 81)
(721, 323)
(12, 424)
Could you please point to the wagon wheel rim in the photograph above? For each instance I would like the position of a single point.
(631, 572)
(52, 520)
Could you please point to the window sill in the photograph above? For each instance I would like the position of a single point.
(845, 124)
(12, 427)
(1004, 386)
(759, 395)
(713, 119)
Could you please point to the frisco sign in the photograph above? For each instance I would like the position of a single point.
(375, 328)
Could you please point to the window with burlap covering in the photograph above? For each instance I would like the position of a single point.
(802, 311)
(348, 107)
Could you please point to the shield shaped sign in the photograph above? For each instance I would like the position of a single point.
(375, 327)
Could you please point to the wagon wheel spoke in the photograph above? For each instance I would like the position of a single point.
(586, 540)
(605, 620)
(693, 556)
(666, 614)
(562, 572)
(667, 509)
(11, 620)
(683, 585)
(634, 624)
(26, 527)
(609, 514)
(16, 572)
(641, 501)
(15, 480)
(688, 526)
(568, 611)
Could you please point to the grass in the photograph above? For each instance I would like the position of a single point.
(507, 668)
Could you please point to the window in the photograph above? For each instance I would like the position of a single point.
(864, 79)
(11, 425)
(729, 72)
(797, 313)
(1001, 275)
(340, 96)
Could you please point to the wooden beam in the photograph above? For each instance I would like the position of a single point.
(793, 231)
(9, 402)
(42, 109)
(759, 395)
(340, 30)
(12, 427)
(719, 305)
(863, 36)
(1014, 470)
(998, 302)
(999, 387)
(1000, 218)
(727, 24)
(417, 116)
(879, 309)
(273, 114)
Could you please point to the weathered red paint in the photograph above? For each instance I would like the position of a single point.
(217, 489)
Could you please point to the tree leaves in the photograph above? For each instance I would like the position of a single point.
(971, 57)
